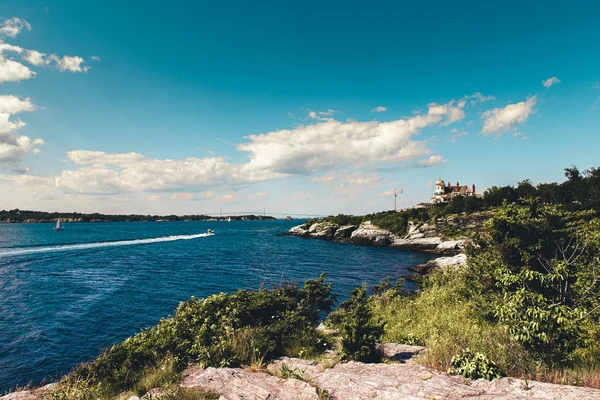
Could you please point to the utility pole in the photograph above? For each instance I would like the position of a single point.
(395, 197)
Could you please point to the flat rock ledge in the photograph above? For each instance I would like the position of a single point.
(358, 381)
(402, 380)
(423, 238)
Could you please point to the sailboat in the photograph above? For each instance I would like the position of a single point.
(229, 219)
(58, 226)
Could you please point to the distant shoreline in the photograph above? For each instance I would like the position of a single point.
(28, 218)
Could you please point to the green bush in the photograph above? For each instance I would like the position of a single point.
(359, 334)
(243, 328)
(474, 366)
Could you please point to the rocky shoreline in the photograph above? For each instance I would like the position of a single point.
(425, 237)
(418, 238)
(400, 378)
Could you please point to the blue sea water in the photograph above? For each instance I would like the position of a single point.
(65, 295)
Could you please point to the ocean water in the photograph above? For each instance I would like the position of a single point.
(65, 295)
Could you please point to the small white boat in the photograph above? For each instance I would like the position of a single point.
(229, 219)
(210, 232)
(58, 226)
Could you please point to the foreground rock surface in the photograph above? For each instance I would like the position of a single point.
(358, 381)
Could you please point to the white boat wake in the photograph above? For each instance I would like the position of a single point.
(96, 245)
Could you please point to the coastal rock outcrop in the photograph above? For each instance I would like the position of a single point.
(425, 237)
(369, 234)
(358, 381)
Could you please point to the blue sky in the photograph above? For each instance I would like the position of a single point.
(189, 107)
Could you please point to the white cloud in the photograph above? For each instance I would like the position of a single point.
(154, 198)
(379, 109)
(550, 81)
(95, 58)
(69, 63)
(429, 162)
(477, 97)
(14, 148)
(503, 119)
(320, 115)
(331, 144)
(85, 157)
(258, 196)
(388, 193)
(12, 71)
(36, 58)
(12, 104)
(13, 26)
(101, 172)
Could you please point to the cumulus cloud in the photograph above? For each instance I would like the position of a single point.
(95, 58)
(13, 26)
(101, 172)
(320, 115)
(12, 104)
(14, 147)
(154, 198)
(36, 58)
(429, 162)
(69, 63)
(500, 120)
(550, 81)
(331, 144)
(12, 71)
(379, 109)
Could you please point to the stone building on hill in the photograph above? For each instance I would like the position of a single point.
(446, 193)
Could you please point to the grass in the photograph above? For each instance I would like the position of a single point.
(445, 322)
(163, 375)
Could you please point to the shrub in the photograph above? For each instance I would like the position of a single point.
(358, 332)
(222, 330)
(474, 366)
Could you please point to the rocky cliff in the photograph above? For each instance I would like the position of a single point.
(447, 236)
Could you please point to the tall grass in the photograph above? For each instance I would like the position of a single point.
(446, 321)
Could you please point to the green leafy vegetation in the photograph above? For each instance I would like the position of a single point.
(244, 328)
(474, 366)
(527, 303)
(359, 333)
